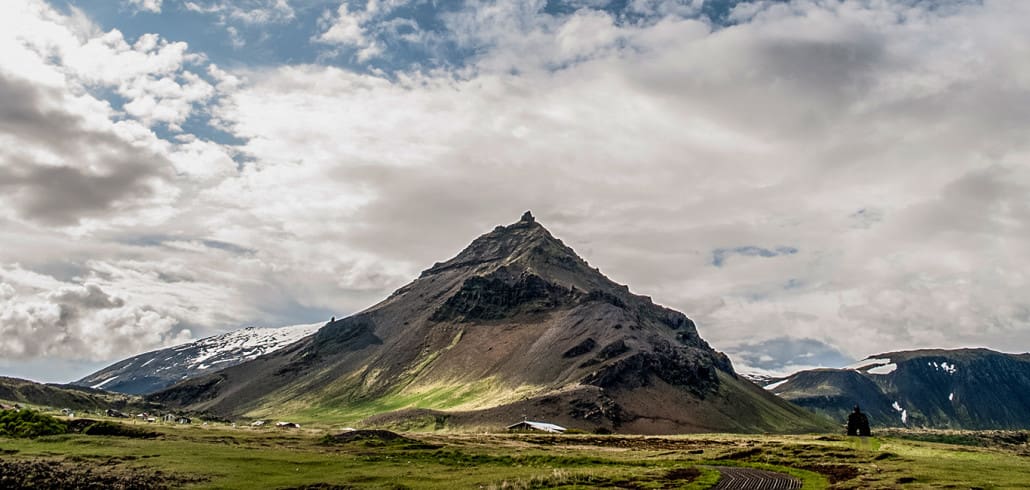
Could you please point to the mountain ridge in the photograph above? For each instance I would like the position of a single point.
(515, 322)
(158, 369)
(969, 388)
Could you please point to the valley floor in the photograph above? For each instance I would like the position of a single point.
(217, 456)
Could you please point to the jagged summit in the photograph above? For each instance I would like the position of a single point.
(504, 245)
(515, 323)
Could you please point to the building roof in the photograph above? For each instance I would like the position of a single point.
(541, 426)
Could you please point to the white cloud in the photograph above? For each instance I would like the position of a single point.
(254, 12)
(152, 6)
(655, 145)
(884, 141)
(346, 28)
(75, 321)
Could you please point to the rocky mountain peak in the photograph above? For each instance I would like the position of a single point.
(507, 245)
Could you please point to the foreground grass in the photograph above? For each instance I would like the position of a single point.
(225, 457)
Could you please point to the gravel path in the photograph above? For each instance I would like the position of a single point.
(735, 478)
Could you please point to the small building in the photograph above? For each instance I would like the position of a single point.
(186, 420)
(287, 425)
(116, 414)
(168, 417)
(531, 426)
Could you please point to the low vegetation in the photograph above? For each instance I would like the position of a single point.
(32, 423)
(221, 456)
(29, 423)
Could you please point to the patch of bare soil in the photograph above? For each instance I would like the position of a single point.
(834, 472)
(743, 454)
(321, 486)
(43, 474)
(366, 435)
(376, 438)
(646, 443)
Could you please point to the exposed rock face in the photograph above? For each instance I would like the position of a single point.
(521, 316)
(959, 389)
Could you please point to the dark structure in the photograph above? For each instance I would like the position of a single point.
(858, 423)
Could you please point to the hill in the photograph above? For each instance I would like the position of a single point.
(20, 391)
(957, 389)
(159, 369)
(515, 325)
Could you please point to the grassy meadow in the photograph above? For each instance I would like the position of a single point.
(221, 456)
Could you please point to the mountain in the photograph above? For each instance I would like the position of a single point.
(159, 369)
(959, 389)
(515, 325)
(21, 391)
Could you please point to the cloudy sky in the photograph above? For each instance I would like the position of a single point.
(812, 181)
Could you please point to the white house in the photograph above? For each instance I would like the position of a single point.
(529, 425)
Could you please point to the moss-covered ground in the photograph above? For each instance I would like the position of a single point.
(222, 456)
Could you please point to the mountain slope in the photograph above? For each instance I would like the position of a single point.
(961, 389)
(516, 324)
(159, 369)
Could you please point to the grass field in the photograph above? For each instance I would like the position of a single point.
(219, 456)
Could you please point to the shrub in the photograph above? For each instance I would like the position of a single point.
(105, 428)
(29, 423)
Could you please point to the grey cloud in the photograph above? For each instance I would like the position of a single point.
(89, 297)
(78, 322)
(98, 171)
(885, 139)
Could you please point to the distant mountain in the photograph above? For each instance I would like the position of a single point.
(21, 391)
(961, 389)
(760, 379)
(162, 368)
(515, 325)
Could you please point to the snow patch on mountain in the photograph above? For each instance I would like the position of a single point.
(867, 363)
(944, 366)
(884, 369)
(102, 383)
(775, 385)
(904, 413)
(158, 369)
(246, 344)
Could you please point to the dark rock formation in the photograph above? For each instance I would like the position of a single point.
(858, 423)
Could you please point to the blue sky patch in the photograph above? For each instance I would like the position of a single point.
(720, 255)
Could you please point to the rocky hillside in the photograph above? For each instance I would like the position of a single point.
(960, 389)
(159, 369)
(516, 324)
